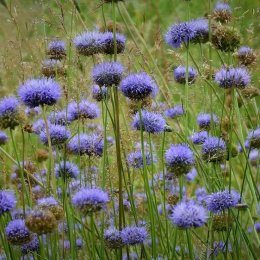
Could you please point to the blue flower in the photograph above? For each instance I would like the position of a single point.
(88, 43)
(100, 93)
(3, 138)
(17, 233)
(213, 150)
(201, 195)
(38, 92)
(187, 214)
(180, 75)
(32, 246)
(9, 112)
(83, 110)
(107, 41)
(69, 170)
(19, 213)
(7, 201)
(190, 176)
(58, 134)
(90, 200)
(204, 120)
(135, 159)
(253, 138)
(138, 86)
(113, 238)
(32, 112)
(40, 126)
(134, 235)
(56, 49)
(219, 201)
(108, 74)
(179, 159)
(179, 33)
(232, 77)
(221, 248)
(51, 67)
(200, 137)
(257, 227)
(244, 50)
(59, 118)
(174, 112)
(201, 29)
(151, 122)
(87, 144)
(222, 7)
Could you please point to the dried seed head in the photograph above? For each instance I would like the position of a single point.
(173, 199)
(250, 92)
(146, 103)
(42, 155)
(109, 27)
(220, 222)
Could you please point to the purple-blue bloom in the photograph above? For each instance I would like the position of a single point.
(32, 246)
(107, 41)
(7, 201)
(201, 195)
(257, 227)
(133, 235)
(244, 50)
(191, 175)
(31, 112)
(135, 159)
(151, 122)
(200, 137)
(222, 7)
(204, 120)
(113, 238)
(233, 77)
(219, 201)
(138, 86)
(179, 33)
(99, 94)
(47, 202)
(213, 149)
(40, 126)
(108, 74)
(180, 75)
(221, 247)
(69, 170)
(39, 92)
(187, 214)
(201, 29)
(59, 118)
(174, 111)
(3, 138)
(56, 49)
(254, 138)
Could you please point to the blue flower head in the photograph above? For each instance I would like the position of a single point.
(39, 126)
(213, 149)
(3, 138)
(32, 246)
(253, 138)
(180, 75)
(200, 137)
(151, 122)
(204, 121)
(38, 92)
(133, 235)
(174, 112)
(51, 67)
(69, 170)
(191, 175)
(187, 214)
(222, 7)
(99, 93)
(201, 29)
(31, 112)
(113, 238)
(108, 74)
(135, 159)
(219, 201)
(138, 86)
(107, 41)
(179, 33)
(56, 49)
(201, 195)
(7, 201)
(59, 118)
(244, 50)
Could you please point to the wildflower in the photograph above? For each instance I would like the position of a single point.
(56, 50)
(199, 137)
(88, 43)
(66, 170)
(213, 150)
(219, 201)
(113, 238)
(174, 112)
(32, 246)
(204, 121)
(151, 122)
(138, 86)
(7, 201)
(135, 159)
(90, 200)
(87, 144)
(222, 13)
(180, 75)
(39, 92)
(187, 214)
(100, 93)
(39, 126)
(201, 195)
(107, 41)
(201, 29)
(133, 235)
(246, 56)
(254, 138)
(17, 233)
(221, 247)
(232, 77)
(52, 67)
(10, 115)
(108, 74)
(179, 159)
(179, 33)
(190, 176)
(19, 213)
(58, 135)
(3, 138)
(32, 112)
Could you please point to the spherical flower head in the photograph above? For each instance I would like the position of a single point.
(3, 138)
(254, 138)
(41, 222)
(191, 175)
(204, 121)
(108, 74)
(112, 238)
(59, 118)
(7, 201)
(179, 33)
(222, 13)
(83, 110)
(133, 235)
(58, 135)
(32, 246)
(89, 200)
(10, 115)
(180, 75)
(40, 126)
(201, 195)
(66, 170)
(201, 29)
(174, 112)
(179, 159)
(107, 41)
(88, 43)
(222, 7)
(100, 93)
(90, 145)
(135, 159)
(232, 77)
(39, 92)
(187, 214)
(138, 86)
(244, 50)
(213, 150)
(151, 122)
(56, 49)
(17, 233)
(246, 56)
(200, 137)
(219, 201)
(51, 67)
